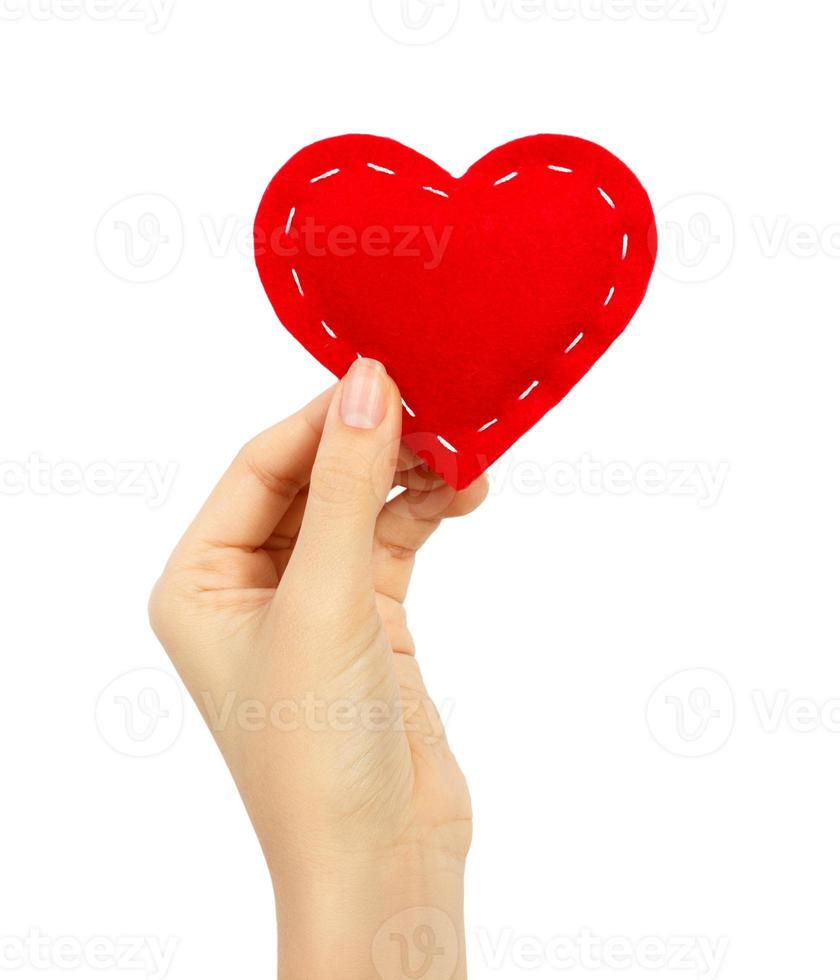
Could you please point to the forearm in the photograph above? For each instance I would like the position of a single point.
(388, 922)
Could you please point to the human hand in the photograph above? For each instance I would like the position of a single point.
(282, 609)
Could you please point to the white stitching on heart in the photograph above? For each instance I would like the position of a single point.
(433, 190)
(329, 173)
(574, 343)
(504, 180)
(606, 197)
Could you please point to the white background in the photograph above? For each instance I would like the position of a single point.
(610, 794)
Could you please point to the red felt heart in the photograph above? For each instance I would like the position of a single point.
(487, 297)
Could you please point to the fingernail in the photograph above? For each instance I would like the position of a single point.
(363, 395)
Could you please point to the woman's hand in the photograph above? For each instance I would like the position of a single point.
(282, 609)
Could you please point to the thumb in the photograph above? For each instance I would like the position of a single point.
(351, 479)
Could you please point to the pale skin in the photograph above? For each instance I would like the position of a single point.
(282, 609)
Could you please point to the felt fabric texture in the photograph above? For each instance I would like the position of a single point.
(486, 297)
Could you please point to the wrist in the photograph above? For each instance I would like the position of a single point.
(391, 918)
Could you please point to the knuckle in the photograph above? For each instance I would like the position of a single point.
(168, 608)
(284, 487)
(392, 612)
(429, 508)
(397, 550)
(401, 538)
(160, 609)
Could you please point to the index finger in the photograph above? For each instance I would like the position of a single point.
(261, 483)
